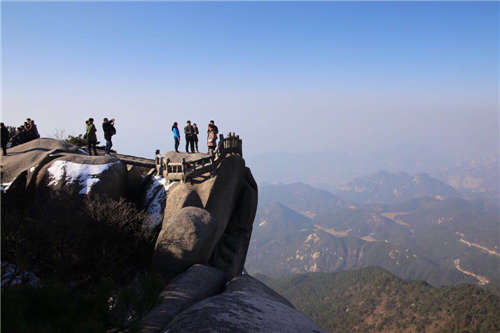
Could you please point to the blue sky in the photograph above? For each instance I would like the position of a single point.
(287, 76)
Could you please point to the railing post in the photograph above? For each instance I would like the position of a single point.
(222, 149)
(165, 170)
(212, 160)
(183, 170)
(233, 143)
(238, 146)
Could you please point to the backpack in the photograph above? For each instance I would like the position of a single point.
(112, 130)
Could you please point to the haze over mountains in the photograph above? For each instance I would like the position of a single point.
(386, 187)
(329, 169)
(415, 226)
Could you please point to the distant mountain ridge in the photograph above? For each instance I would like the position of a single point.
(301, 197)
(388, 187)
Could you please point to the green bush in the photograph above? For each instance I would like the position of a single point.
(78, 140)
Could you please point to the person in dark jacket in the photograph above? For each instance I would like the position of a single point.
(177, 136)
(18, 137)
(4, 137)
(32, 129)
(90, 134)
(189, 132)
(195, 136)
(108, 126)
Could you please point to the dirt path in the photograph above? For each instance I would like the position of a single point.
(332, 231)
(393, 216)
(483, 248)
(481, 279)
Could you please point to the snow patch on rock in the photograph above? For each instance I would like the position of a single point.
(156, 196)
(84, 174)
(4, 187)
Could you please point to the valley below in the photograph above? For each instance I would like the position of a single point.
(426, 259)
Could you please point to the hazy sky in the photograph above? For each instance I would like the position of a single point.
(285, 76)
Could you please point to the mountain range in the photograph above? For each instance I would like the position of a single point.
(432, 235)
(386, 187)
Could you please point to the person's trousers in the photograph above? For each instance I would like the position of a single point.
(189, 143)
(92, 144)
(177, 142)
(4, 149)
(109, 144)
(211, 150)
(196, 144)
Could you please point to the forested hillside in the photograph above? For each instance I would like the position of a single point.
(374, 300)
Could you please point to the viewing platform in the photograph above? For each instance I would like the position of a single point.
(184, 166)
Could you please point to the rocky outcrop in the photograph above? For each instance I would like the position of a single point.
(51, 165)
(205, 233)
(188, 239)
(215, 230)
(188, 288)
(246, 305)
(229, 200)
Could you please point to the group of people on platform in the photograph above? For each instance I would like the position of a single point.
(22, 134)
(28, 131)
(108, 127)
(191, 133)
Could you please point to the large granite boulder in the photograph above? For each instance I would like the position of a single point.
(188, 288)
(246, 305)
(52, 165)
(188, 240)
(230, 198)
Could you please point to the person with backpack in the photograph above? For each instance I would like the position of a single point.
(189, 132)
(108, 127)
(90, 134)
(4, 137)
(177, 136)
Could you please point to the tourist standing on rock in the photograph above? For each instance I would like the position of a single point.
(189, 132)
(108, 127)
(90, 134)
(177, 136)
(195, 136)
(33, 129)
(212, 137)
(158, 162)
(4, 138)
(19, 137)
(29, 132)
